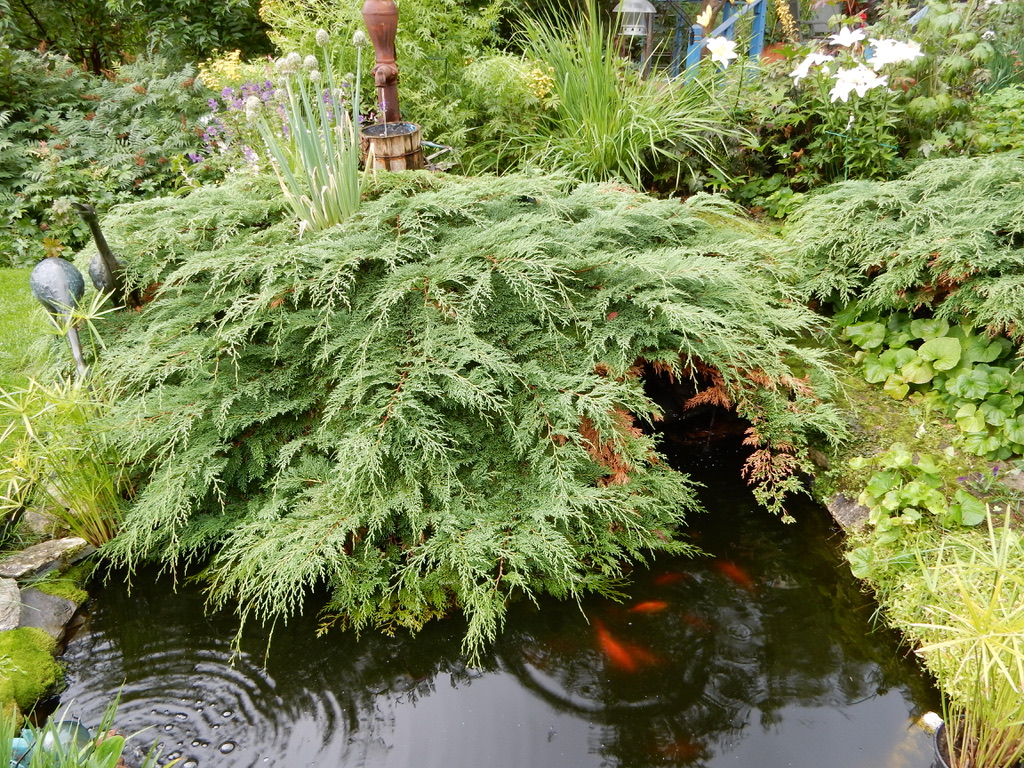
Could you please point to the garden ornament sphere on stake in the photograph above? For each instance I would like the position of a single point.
(59, 286)
(106, 270)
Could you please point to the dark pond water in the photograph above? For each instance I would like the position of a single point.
(761, 655)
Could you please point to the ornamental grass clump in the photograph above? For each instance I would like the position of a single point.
(436, 407)
(315, 152)
(968, 614)
(60, 454)
(606, 121)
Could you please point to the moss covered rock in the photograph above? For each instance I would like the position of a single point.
(28, 670)
(69, 583)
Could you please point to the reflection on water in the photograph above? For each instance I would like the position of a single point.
(762, 654)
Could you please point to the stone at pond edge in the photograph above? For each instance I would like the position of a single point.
(10, 604)
(46, 612)
(40, 523)
(31, 672)
(849, 514)
(43, 558)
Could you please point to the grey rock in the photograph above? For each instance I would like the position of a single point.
(849, 514)
(39, 522)
(47, 612)
(42, 558)
(10, 604)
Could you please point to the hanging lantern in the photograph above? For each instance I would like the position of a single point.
(637, 17)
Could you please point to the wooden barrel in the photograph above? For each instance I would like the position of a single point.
(394, 146)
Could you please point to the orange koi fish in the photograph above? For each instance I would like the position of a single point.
(614, 650)
(668, 579)
(736, 574)
(642, 656)
(649, 606)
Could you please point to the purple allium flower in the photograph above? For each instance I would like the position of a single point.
(195, 157)
(213, 104)
(227, 93)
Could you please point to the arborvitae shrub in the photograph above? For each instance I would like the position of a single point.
(435, 404)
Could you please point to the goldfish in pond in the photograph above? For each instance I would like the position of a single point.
(642, 656)
(623, 656)
(668, 579)
(735, 574)
(614, 650)
(649, 606)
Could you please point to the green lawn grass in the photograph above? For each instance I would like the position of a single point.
(21, 322)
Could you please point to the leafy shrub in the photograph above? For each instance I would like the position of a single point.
(906, 488)
(938, 86)
(802, 133)
(433, 406)
(509, 94)
(996, 121)
(947, 238)
(978, 381)
(99, 35)
(97, 139)
(39, 90)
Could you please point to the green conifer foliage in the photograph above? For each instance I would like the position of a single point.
(949, 237)
(432, 406)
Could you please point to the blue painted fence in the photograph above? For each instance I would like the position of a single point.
(727, 27)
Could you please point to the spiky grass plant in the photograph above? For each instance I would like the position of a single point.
(964, 609)
(975, 643)
(315, 153)
(61, 742)
(61, 455)
(433, 407)
(607, 121)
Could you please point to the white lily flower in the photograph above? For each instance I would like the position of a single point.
(893, 52)
(722, 50)
(859, 79)
(704, 18)
(847, 36)
(803, 69)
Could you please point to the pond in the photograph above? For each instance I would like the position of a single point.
(763, 654)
